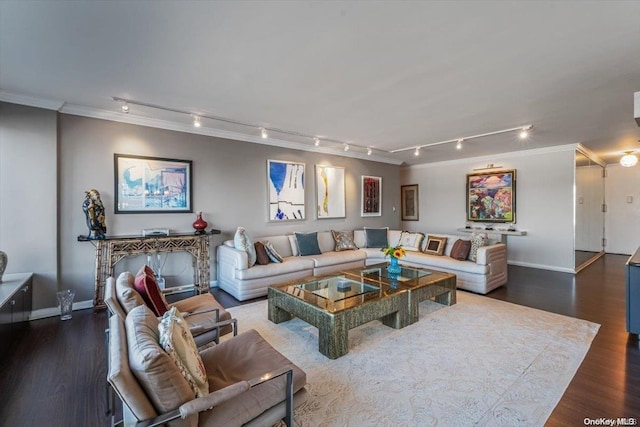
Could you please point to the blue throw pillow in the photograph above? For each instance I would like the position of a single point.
(308, 243)
(376, 237)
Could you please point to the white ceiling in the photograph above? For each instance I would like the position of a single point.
(383, 74)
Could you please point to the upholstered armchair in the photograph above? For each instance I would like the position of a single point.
(249, 382)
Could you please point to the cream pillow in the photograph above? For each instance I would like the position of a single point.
(177, 341)
(243, 242)
(411, 241)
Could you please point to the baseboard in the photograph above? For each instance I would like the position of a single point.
(213, 284)
(55, 311)
(541, 266)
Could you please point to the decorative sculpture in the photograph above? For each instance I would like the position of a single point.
(94, 213)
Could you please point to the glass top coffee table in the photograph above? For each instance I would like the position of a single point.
(335, 304)
(421, 284)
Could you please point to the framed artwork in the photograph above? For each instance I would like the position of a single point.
(491, 196)
(152, 184)
(330, 192)
(409, 198)
(371, 201)
(286, 183)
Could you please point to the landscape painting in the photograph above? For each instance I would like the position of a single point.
(152, 184)
(330, 192)
(491, 196)
(286, 182)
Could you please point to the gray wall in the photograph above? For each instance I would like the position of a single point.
(229, 187)
(28, 196)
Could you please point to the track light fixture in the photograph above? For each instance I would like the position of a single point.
(369, 151)
(521, 129)
(263, 133)
(459, 144)
(125, 107)
(196, 121)
(417, 152)
(346, 147)
(316, 141)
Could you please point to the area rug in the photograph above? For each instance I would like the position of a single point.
(481, 362)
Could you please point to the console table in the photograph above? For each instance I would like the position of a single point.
(112, 249)
(503, 233)
(16, 292)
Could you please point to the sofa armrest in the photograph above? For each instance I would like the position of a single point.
(238, 259)
(491, 253)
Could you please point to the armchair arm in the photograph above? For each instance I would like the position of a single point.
(197, 330)
(193, 313)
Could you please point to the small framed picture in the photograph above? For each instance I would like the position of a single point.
(371, 201)
(410, 206)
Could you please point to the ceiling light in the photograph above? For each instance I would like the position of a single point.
(459, 144)
(263, 133)
(196, 121)
(125, 107)
(629, 159)
(346, 147)
(417, 152)
(369, 151)
(316, 141)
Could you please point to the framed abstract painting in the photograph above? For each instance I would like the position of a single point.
(371, 197)
(152, 184)
(286, 183)
(330, 192)
(491, 196)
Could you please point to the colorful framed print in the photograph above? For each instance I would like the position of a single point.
(286, 182)
(152, 184)
(330, 192)
(491, 196)
(371, 197)
(409, 198)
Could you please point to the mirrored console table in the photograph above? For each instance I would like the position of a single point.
(502, 233)
(112, 249)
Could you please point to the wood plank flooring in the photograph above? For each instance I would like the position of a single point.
(53, 373)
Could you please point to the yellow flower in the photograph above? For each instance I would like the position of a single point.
(398, 253)
(394, 251)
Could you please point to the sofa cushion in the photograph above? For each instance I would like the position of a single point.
(411, 241)
(444, 262)
(336, 258)
(262, 258)
(308, 243)
(147, 287)
(435, 245)
(243, 242)
(177, 341)
(158, 375)
(376, 237)
(289, 265)
(477, 240)
(126, 295)
(460, 250)
(273, 255)
(343, 240)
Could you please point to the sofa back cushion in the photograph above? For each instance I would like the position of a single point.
(308, 243)
(126, 295)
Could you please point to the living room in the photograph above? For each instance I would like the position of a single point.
(54, 148)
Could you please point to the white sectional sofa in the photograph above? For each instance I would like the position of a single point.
(235, 276)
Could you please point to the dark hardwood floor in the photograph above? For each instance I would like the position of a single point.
(54, 372)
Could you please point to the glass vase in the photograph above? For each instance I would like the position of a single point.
(394, 267)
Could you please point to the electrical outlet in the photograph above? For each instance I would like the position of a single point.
(629, 199)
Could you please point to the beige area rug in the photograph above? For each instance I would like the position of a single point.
(481, 362)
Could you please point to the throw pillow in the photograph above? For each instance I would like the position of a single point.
(344, 240)
(411, 241)
(461, 249)
(308, 243)
(376, 237)
(435, 245)
(477, 241)
(274, 256)
(262, 258)
(148, 289)
(177, 341)
(242, 241)
(127, 296)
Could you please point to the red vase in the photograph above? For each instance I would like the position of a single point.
(200, 224)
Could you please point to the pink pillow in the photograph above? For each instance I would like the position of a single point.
(148, 289)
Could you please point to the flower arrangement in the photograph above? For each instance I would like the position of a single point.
(393, 251)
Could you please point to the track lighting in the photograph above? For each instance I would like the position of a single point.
(125, 107)
(316, 141)
(369, 151)
(346, 147)
(196, 121)
(629, 159)
(417, 152)
(459, 144)
(263, 133)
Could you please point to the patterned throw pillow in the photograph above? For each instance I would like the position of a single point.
(344, 240)
(148, 289)
(243, 242)
(461, 249)
(262, 258)
(308, 243)
(274, 256)
(410, 241)
(177, 341)
(435, 245)
(477, 241)
(376, 237)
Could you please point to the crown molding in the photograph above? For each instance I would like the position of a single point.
(31, 101)
(590, 154)
(493, 157)
(129, 118)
